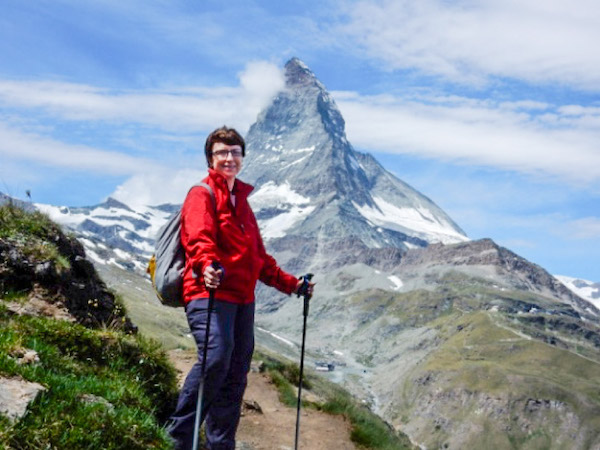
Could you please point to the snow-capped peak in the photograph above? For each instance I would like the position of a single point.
(587, 290)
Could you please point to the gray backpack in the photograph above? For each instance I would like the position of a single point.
(168, 262)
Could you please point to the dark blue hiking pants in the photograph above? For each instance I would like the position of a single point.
(230, 347)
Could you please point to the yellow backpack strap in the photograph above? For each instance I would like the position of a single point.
(151, 268)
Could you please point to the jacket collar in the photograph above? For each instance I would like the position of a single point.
(239, 188)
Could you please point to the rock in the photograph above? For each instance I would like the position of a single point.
(252, 405)
(44, 271)
(25, 356)
(95, 399)
(15, 395)
(257, 366)
(38, 306)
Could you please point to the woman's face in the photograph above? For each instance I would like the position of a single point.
(227, 160)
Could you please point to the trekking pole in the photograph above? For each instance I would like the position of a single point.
(200, 402)
(303, 290)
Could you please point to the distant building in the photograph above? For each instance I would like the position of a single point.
(324, 367)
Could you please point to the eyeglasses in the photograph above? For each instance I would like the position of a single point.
(222, 154)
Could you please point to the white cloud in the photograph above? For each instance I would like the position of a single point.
(538, 41)
(18, 145)
(261, 81)
(522, 136)
(585, 228)
(178, 109)
(37, 111)
(157, 187)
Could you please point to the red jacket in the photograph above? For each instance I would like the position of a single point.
(229, 236)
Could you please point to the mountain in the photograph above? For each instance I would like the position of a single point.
(585, 289)
(311, 182)
(112, 232)
(6, 199)
(458, 343)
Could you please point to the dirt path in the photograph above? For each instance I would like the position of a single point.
(274, 428)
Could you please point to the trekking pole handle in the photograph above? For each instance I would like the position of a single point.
(303, 291)
(217, 266)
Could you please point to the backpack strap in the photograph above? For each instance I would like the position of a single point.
(210, 191)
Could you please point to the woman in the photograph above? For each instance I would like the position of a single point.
(225, 232)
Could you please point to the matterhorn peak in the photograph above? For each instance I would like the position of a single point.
(310, 181)
(298, 74)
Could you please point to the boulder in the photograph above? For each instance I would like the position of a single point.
(15, 395)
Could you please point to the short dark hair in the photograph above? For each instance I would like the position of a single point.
(225, 135)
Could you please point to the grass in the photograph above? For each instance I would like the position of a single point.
(129, 376)
(166, 325)
(31, 232)
(15, 222)
(481, 367)
(368, 430)
(104, 389)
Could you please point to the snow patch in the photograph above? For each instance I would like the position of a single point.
(397, 282)
(296, 207)
(114, 262)
(277, 226)
(87, 243)
(297, 161)
(285, 341)
(122, 254)
(107, 217)
(587, 290)
(94, 256)
(271, 195)
(421, 220)
(61, 215)
(302, 150)
(355, 164)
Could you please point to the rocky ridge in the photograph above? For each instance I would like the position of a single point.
(51, 265)
(66, 341)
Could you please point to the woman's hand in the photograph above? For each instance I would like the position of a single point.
(309, 289)
(212, 277)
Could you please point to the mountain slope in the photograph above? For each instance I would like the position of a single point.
(469, 346)
(112, 232)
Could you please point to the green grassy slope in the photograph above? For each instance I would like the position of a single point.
(129, 379)
(488, 368)
(165, 324)
(105, 387)
(503, 388)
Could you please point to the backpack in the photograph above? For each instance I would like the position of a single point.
(168, 262)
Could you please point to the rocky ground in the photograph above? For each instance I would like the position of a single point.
(267, 424)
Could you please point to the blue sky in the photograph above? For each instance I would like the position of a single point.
(490, 108)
